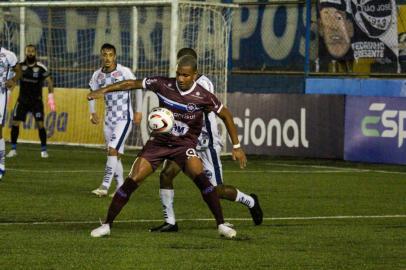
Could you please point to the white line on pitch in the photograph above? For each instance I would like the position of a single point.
(226, 171)
(201, 219)
(335, 168)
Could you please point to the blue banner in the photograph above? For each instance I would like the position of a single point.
(356, 87)
(375, 129)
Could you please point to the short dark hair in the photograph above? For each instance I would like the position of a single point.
(31, 45)
(186, 51)
(108, 46)
(189, 61)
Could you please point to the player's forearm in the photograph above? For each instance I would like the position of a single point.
(18, 73)
(227, 118)
(138, 100)
(92, 106)
(123, 85)
(50, 83)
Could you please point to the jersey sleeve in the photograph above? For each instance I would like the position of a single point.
(44, 70)
(12, 59)
(93, 82)
(206, 84)
(152, 83)
(128, 74)
(213, 104)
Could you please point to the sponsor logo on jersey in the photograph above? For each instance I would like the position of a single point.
(179, 128)
(150, 81)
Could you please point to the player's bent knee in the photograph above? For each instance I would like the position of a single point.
(203, 183)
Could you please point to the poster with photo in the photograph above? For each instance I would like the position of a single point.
(354, 29)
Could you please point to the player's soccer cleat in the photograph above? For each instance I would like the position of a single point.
(226, 231)
(100, 191)
(101, 231)
(228, 224)
(166, 227)
(12, 153)
(256, 211)
(44, 154)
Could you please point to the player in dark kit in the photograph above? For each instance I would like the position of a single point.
(34, 73)
(188, 101)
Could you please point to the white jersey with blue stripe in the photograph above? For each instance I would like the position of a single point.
(8, 60)
(210, 134)
(118, 104)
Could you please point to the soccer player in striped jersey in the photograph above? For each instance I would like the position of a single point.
(33, 76)
(208, 149)
(8, 64)
(118, 115)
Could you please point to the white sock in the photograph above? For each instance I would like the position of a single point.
(166, 196)
(2, 156)
(244, 199)
(111, 165)
(118, 174)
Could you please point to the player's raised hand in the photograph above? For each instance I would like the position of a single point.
(95, 94)
(239, 154)
(94, 118)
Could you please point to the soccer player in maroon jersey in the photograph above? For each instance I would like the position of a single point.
(188, 101)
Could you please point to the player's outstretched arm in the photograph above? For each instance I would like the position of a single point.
(119, 86)
(237, 153)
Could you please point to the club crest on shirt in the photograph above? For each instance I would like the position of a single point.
(191, 107)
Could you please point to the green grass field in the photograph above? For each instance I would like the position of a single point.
(318, 214)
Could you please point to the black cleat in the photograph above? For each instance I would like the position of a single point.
(256, 211)
(166, 227)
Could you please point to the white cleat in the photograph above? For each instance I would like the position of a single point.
(44, 154)
(226, 231)
(101, 231)
(100, 192)
(228, 224)
(12, 153)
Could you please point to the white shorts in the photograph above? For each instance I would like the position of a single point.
(116, 135)
(3, 106)
(212, 166)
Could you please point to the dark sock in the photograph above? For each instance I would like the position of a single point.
(120, 199)
(14, 135)
(43, 137)
(210, 196)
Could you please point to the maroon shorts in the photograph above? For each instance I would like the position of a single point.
(156, 153)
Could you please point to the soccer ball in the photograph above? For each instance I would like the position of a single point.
(160, 120)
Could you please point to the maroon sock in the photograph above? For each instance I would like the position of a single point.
(120, 199)
(210, 196)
